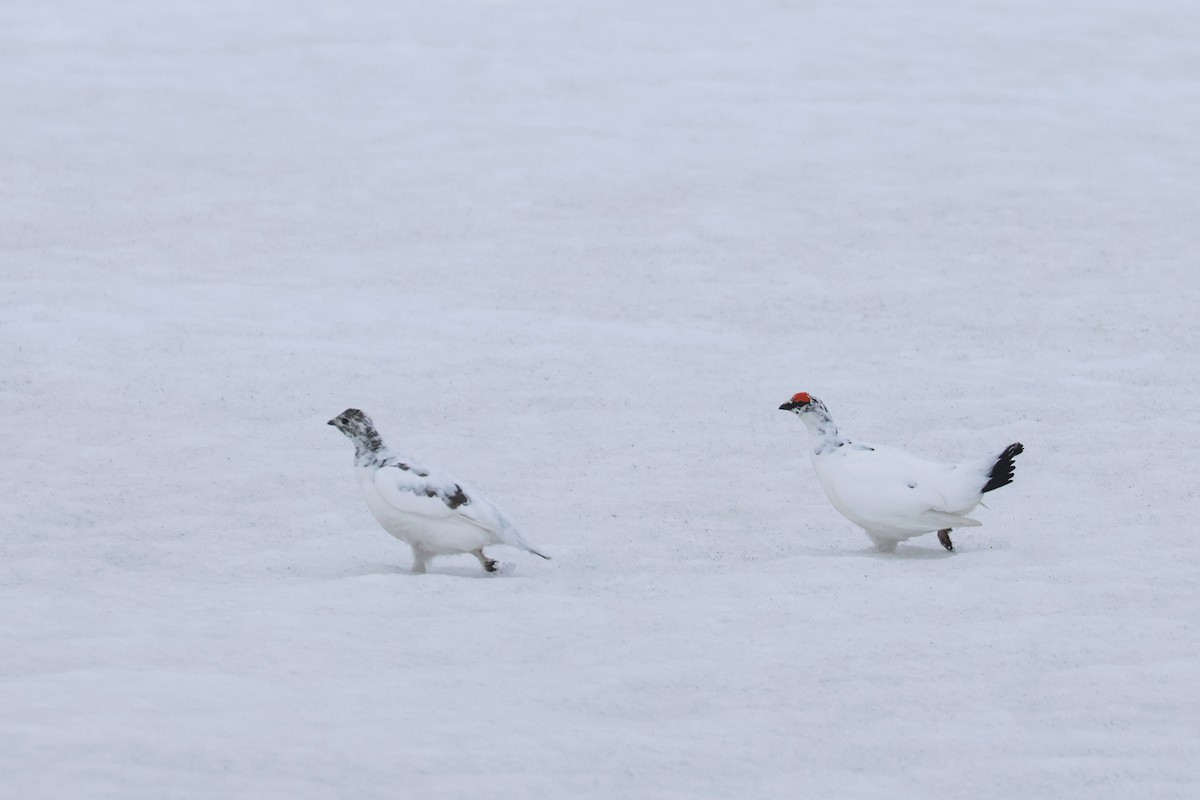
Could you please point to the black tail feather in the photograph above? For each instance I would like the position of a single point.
(1002, 471)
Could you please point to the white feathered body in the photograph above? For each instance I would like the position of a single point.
(431, 511)
(894, 495)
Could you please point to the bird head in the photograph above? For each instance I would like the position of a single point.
(802, 403)
(354, 423)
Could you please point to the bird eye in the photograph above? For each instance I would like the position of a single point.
(343, 420)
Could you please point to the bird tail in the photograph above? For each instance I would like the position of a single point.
(513, 536)
(1001, 473)
(536, 553)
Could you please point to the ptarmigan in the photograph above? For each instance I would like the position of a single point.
(427, 509)
(891, 494)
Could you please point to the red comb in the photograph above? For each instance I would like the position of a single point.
(801, 397)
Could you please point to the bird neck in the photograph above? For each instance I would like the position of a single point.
(823, 434)
(368, 448)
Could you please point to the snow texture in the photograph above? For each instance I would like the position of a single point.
(580, 252)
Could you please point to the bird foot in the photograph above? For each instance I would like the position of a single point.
(944, 538)
(488, 564)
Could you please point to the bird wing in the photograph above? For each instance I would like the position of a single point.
(412, 489)
(889, 487)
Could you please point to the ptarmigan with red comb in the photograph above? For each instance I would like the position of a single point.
(891, 494)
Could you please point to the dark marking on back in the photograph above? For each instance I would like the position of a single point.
(459, 498)
(398, 464)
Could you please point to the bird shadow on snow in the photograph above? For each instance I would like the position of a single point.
(903, 553)
(444, 570)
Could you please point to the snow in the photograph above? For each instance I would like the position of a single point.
(578, 253)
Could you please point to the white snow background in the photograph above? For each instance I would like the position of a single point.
(578, 253)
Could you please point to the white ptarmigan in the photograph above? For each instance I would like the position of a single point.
(425, 508)
(891, 494)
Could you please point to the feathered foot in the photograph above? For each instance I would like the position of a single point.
(944, 538)
(420, 560)
(489, 565)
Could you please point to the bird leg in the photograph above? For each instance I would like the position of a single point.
(489, 565)
(420, 558)
(884, 545)
(944, 538)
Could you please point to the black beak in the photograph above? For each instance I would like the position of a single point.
(331, 422)
(788, 406)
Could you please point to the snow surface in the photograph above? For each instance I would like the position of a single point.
(578, 253)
